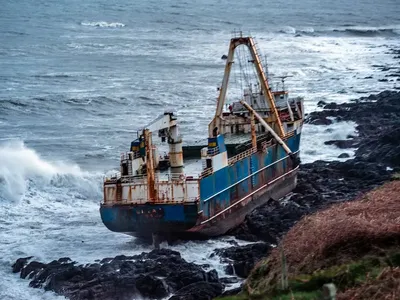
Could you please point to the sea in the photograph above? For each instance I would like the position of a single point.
(79, 78)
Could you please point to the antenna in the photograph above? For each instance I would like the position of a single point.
(283, 80)
(266, 66)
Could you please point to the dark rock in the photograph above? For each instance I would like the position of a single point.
(331, 105)
(229, 280)
(152, 275)
(321, 121)
(20, 263)
(244, 257)
(344, 155)
(229, 269)
(212, 276)
(232, 292)
(383, 80)
(321, 103)
(199, 291)
(151, 286)
(33, 266)
(224, 57)
(342, 144)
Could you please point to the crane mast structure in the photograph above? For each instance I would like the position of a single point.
(167, 128)
(249, 42)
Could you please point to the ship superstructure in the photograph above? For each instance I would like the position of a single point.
(154, 195)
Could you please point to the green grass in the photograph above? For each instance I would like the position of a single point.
(241, 296)
(396, 176)
(299, 296)
(288, 296)
(309, 286)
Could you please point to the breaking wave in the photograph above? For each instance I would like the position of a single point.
(292, 30)
(368, 31)
(345, 30)
(103, 24)
(21, 168)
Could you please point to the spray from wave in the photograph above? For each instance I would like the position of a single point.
(22, 167)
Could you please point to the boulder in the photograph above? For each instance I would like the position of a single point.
(199, 291)
(343, 144)
(243, 258)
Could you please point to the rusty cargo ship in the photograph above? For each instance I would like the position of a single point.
(251, 157)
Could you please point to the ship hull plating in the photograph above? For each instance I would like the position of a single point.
(221, 208)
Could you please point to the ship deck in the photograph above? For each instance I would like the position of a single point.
(232, 141)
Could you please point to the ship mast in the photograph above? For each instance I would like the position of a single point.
(249, 42)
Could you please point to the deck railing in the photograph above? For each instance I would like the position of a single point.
(206, 172)
(213, 151)
(158, 177)
(241, 155)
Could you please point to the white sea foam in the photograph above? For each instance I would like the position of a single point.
(313, 137)
(104, 24)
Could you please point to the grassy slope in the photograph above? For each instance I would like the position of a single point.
(354, 245)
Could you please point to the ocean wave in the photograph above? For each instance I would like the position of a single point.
(21, 167)
(368, 31)
(345, 30)
(293, 30)
(93, 100)
(45, 105)
(103, 24)
(52, 76)
(10, 102)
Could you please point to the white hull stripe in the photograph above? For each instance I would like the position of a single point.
(247, 177)
(249, 195)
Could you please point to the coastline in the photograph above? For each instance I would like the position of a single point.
(320, 184)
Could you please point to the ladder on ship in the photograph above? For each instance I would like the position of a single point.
(119, 193)
(252, 171)
(129, 167)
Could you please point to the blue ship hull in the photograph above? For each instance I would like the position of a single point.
(226, 197)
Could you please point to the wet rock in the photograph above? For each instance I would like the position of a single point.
(344, 155)
(342, 144)
(243, 258)
(331, 105)
(199, 291)
(232, 292)
(229, 280)
(20, 263)
(152, 275)
(321, 121)
(30, 268)
(321, 103)
(151, 286)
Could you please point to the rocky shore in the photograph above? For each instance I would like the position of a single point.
(153, 275)
(163, 273)
(322, 183)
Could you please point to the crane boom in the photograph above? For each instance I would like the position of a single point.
(266, 126)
